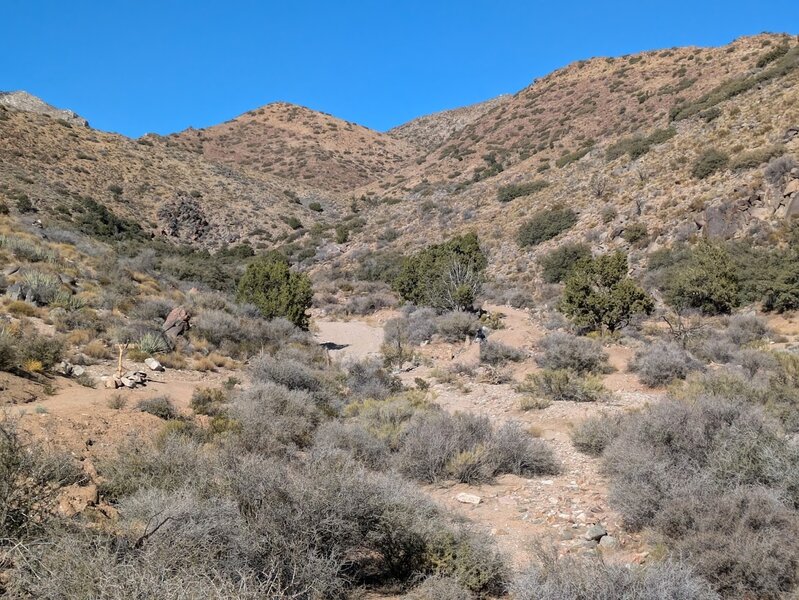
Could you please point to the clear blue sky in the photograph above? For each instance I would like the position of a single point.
(135, 66)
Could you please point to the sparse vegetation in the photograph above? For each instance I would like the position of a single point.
(511, 192)
(545, 225)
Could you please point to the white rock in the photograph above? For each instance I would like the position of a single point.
(468, 498)
(77, 370)
(128, 382)
(153, 364)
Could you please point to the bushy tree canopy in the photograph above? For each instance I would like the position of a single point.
(599, 295)
(277, 291)
(707, 281)
(446, 276)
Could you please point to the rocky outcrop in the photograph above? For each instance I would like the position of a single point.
(176, 323)
(184, 219)
(25, 102)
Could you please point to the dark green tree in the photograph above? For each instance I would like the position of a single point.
(447, 276)
(277, 291)
(707, 281)
(599, 295)
(556, 265)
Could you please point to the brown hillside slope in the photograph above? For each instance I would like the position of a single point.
(565, 113)
(657, 189)
(160, 185)
(430, 131)
(300, 144)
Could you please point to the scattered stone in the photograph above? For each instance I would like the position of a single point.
(127, 382)
(77, 370)
(468, 498)
(596, 532)
(153, 364)
(608, 541)
(111, 383)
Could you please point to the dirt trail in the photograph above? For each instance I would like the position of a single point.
(522, 513)
(349, 340)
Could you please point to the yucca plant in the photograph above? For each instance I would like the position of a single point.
(153, 343)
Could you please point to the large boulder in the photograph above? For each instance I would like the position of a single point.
(176, 323)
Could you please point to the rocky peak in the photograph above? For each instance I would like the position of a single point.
(23, 101)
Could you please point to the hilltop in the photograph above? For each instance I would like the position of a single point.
(296, 143)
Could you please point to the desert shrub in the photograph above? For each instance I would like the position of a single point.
(437, 445)
(635, 233)
(557, 264)
(594, 434)
(98, 221)
(564, 351)
(457, 326)
(778, 168)
(608, 214)
(159, 406)
(718, 481)
(570, 157)
(415, 328)
(276, 290)
(755, 158)
(563, 385)
(637, 146)
(446, 276)
(48, 351)
(217, 326)
(8, 352)
(42, 287)
(497, 353)
(745, 329)
(737, 85)
(592, 579)
(599, 294)
(707, 280)
(754, 361)
(356, 440)
(176, 462)
(208, 401)
(379, 266)
(661, 363)
(275, 419)
(507, 193)
(152, 309)
(368, 379)
(30, 476)
(772, 55)
(26, 250)
(516, 451)
(440, 588)
(709, 162)
(470, 559)
(287, 372)
(545, 225)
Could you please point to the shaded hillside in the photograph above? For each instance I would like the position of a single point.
(300, 144)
